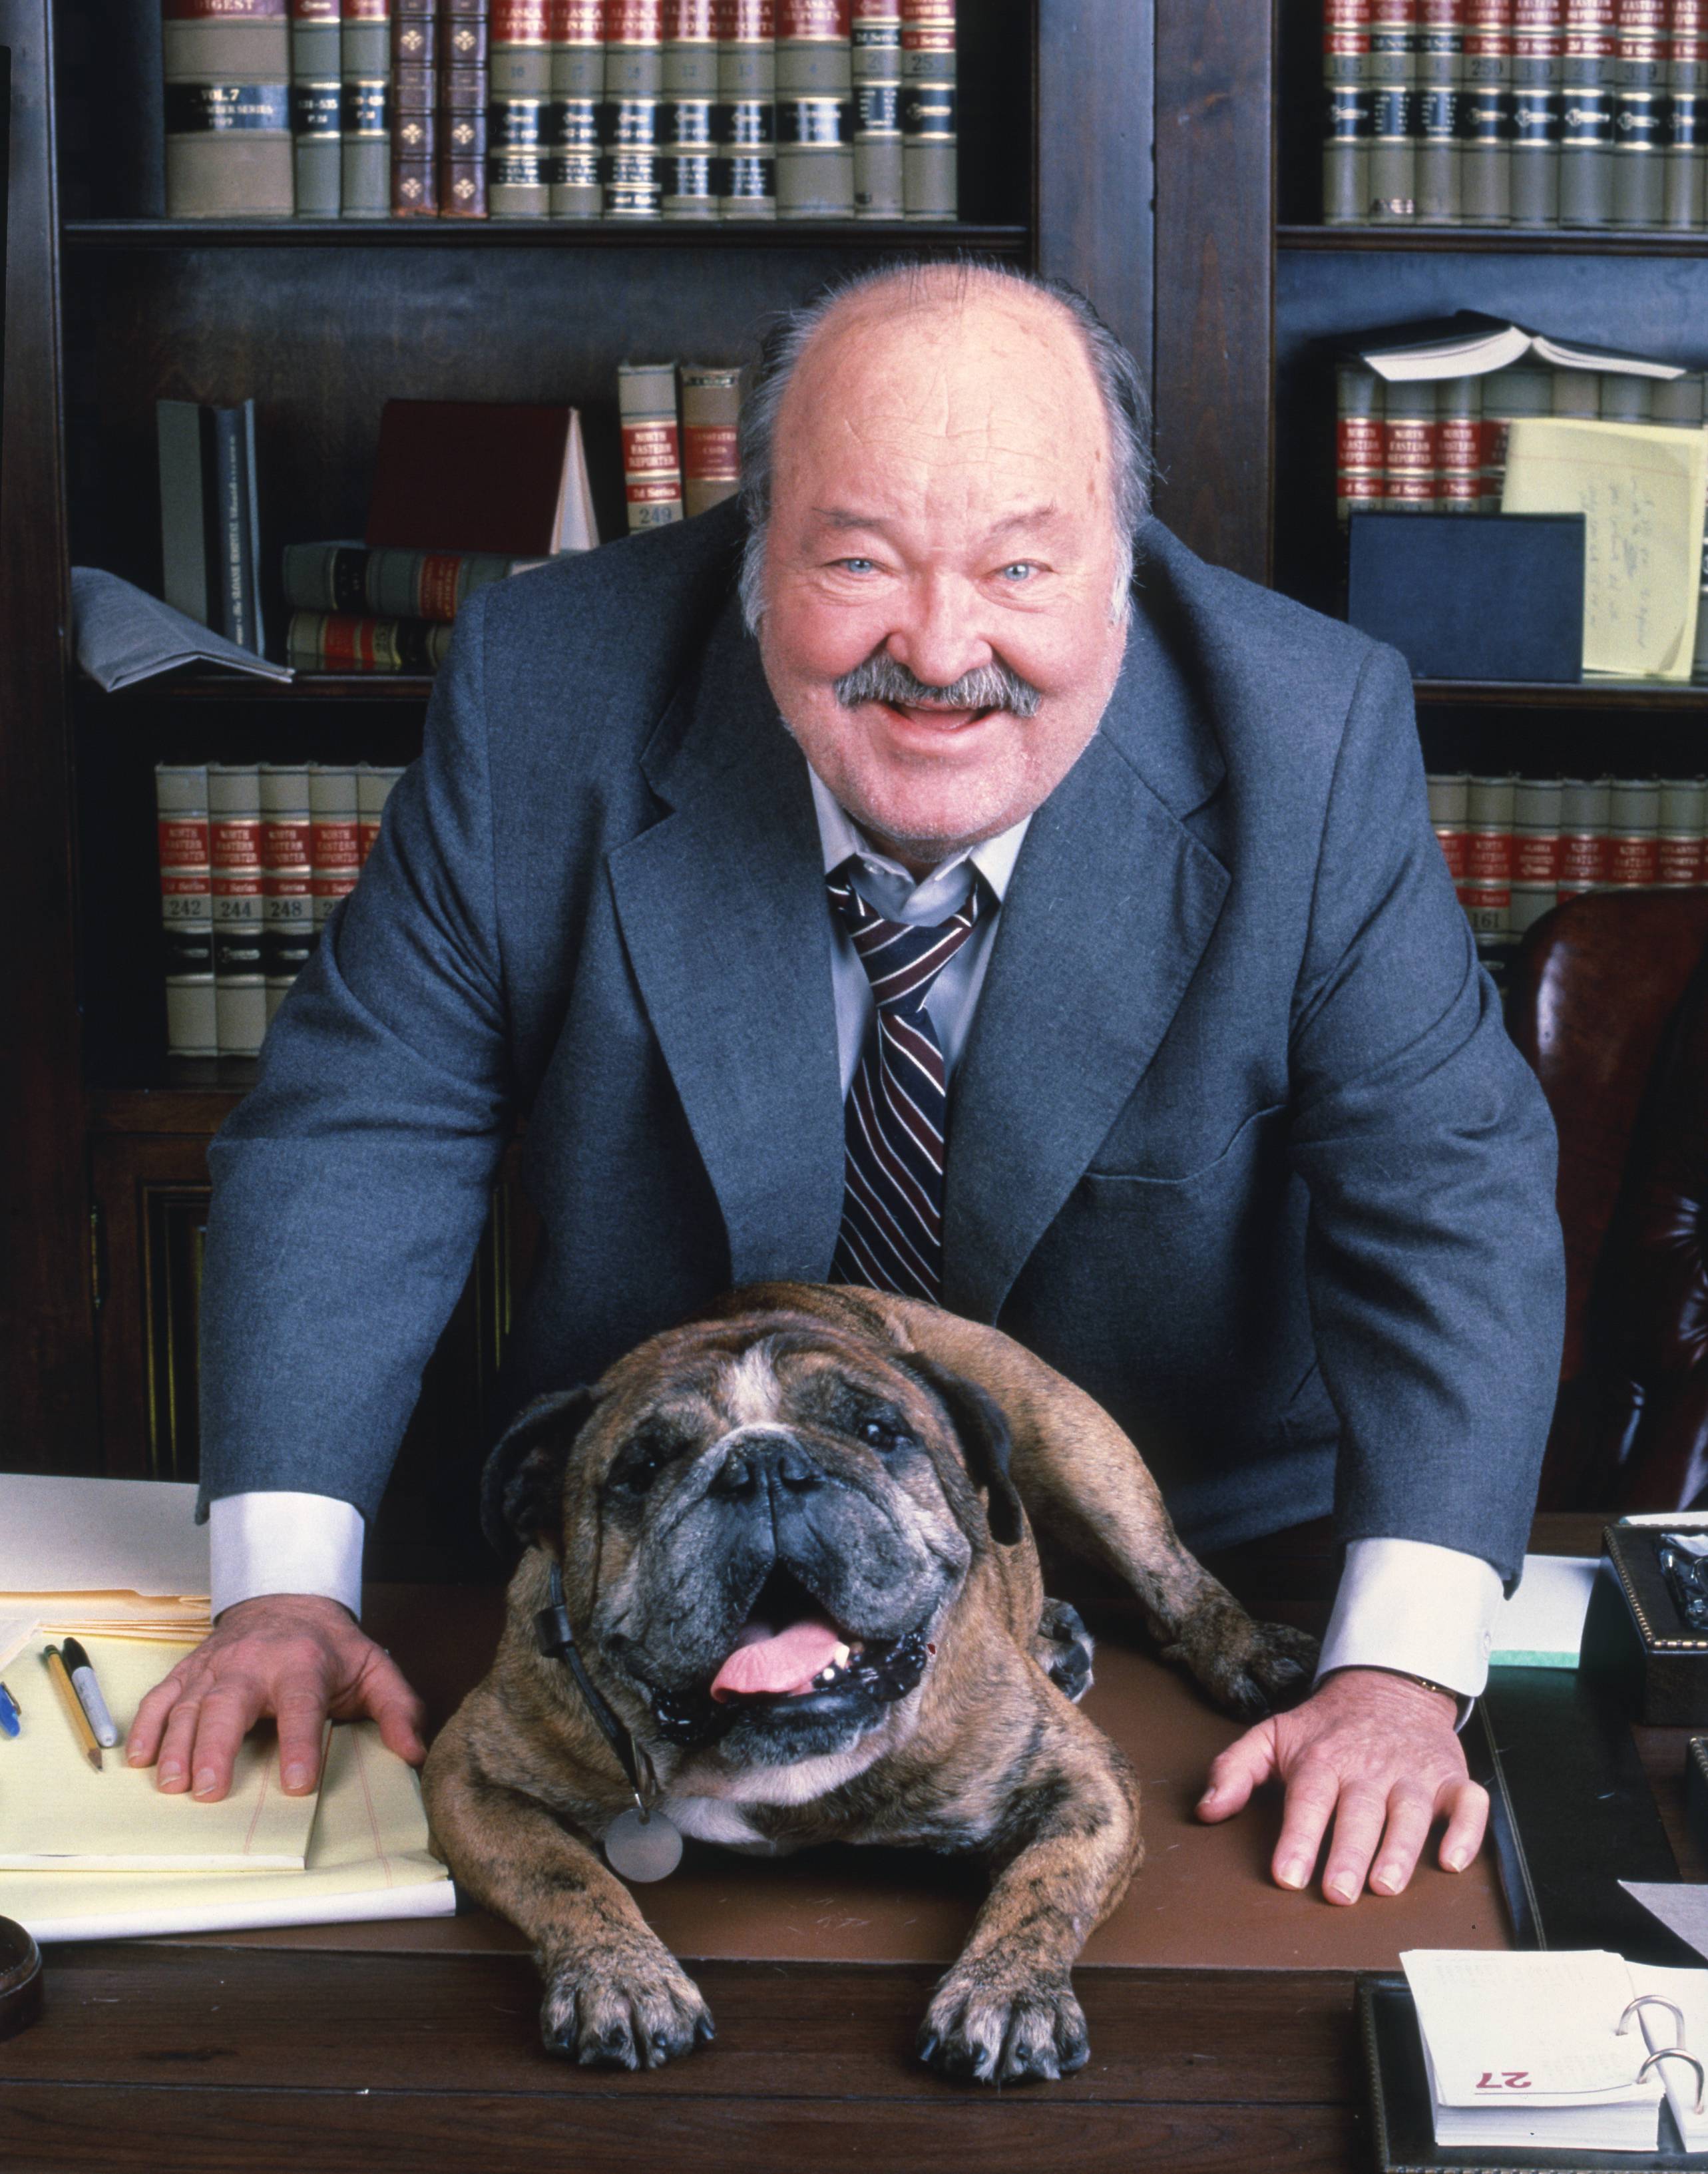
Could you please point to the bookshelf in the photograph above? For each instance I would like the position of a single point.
(102, 1139)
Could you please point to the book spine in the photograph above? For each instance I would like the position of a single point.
(1622, 399)
(1685, 159)
(1679, 860)
(1508, 395)
(317, 100)
(1346, 107)
(374, 784)
(240, 996)
(930, 186)
(1440, 65)
(1535, 851)
(414, 98)
(652, 446)
(183, 430)
(334, 837)
(710, 411)
(1459, 439)
(365, 152)
(578, 91)
(1538, 41)
(1641, 113)
(389, 583)
(1587, 114)
(518, 148)
(815, 110)
(688, 174)
(1584, 810)
(1411, 452)
(631, 163)
(747, 110)
(340, 641)
(1576, 393)
(1486, 893)
(287, 889)
(234, 561)
(1633, 833)
(186, 907)
(1485, 117)
(1450, 816)
(1393, 110)
(875, 66)
(464, 86)
(226, 84)
(1358, 450)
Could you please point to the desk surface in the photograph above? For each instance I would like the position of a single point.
(1219, 2008)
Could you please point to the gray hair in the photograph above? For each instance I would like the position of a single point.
(789, 334)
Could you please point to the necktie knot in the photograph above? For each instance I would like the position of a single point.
(902, 958)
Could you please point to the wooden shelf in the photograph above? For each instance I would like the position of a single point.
(1494, 240)
(131, 233)
(194, 1097)
(1564, 695)
(229, 687)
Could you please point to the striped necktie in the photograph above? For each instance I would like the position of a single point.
(895, 1121)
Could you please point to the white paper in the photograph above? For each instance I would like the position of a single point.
(1526, 2029)
(1542, 1626)
(124, 635)
(101, 1535)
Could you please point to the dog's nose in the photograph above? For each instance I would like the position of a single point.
(774, 1460)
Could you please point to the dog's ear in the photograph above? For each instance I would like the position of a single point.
(522, 1484)
(983, 1433)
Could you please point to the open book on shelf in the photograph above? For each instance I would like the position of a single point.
(1568, 2051)
(1469, 344)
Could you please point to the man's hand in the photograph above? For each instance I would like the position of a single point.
(293, 1655)
(1375, 1752)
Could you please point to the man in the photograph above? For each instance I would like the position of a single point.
(1233, 1137)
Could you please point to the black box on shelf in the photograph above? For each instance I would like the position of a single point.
(1487, 596)
(1635, 1638)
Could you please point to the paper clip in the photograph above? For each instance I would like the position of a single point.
(1677, 2053)
(1646, 1998)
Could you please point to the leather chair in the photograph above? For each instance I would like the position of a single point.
(1608, 1000)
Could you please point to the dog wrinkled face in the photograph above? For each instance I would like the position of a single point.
(783, 1522)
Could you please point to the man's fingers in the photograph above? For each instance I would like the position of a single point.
(1410, 1817)
(1247, 1762)
(149, 1724)
(401, 1715)
(228, 1713)
(1468, 1819)
(1358, 1833)
(1313, 1790)
(177, 1742)
(301, 1711)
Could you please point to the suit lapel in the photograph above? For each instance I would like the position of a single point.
(1111, 905)
(722, 909)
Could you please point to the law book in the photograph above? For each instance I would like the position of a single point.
(815, 110)
(711, 411)
(239, 994)
(1681, 858)
(1633, 833)
(651, 443)
(1358, 447)
(364, 45)
(414, 109)
(480, 476)
(342, 642)
(237, 528)
(186, 907)
(1538, 40)
(747, 110)
(210, 516)
(317, 100)
(1585, 813)
(1587, 114)
(1562, 2051)
(374, 785)
(1640, 113)
(518, 156)
(1485, 890)
(1486, 115)
(391, 583)
(1685, 157)
(287, 888)
(1346, 111)
(1459, 445)
(1411, 447)
(1536, 815)
(930, 121)
(226, 71)
(875, 66)
(1439, 43)
(577, 29)
(1393, 140)
(1468, 343)
(334, 837)
(464, 84)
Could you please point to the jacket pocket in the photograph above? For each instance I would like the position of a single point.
(1250, 1137)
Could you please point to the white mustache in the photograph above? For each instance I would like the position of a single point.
(992, 686)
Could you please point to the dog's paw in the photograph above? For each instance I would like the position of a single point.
(988, 2026)
(631, 2012)
(1249, 1668)
(1062, 1648)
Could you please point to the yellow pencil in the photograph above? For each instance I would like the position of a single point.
(68, 1699)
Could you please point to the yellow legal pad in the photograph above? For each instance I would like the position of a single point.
(57, 1815)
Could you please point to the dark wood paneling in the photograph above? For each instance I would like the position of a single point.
(1213, 278)
(46, 1385)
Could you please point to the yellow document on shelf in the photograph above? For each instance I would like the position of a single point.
(122, 1557)
(58, 1814)
(368, 1857)
(1642, 490)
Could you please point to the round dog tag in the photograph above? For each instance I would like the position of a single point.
(642, 1847)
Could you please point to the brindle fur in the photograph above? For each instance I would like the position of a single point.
(985, 1756)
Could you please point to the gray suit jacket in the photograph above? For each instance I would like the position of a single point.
(1237, 1142)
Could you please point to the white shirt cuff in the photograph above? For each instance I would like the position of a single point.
(1409, 1605)
(284, 1542)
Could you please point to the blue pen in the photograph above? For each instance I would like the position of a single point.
(11, 1721)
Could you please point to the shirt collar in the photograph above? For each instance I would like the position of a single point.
(839, 838)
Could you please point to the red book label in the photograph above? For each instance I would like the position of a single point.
(815, 18)
(284, 845)
(436, 586)
(367, 838)
(1461, 442)
(1679, 861)
(1394, 14)
(1358, 442)
(183, 841)
(223, 11)
(521, 22)
(1642, 19)
(1535, 857)
(634, 22)
(366, 11)
(233, 884)
(1489, 855)
(334, 885)
(1346, 14)
(1583, 860)
(286, 882)
(1346, 44)
(653, 490)
(314, 11)
(1634, 860)
(709, 452)
(235, 842)
(649, 447)
(1457, 487)
(1413, 488)
(889, 11)
(746, 22)
(1442, 15)
(335, 844)
(1452, 844)
(689, 22)
(185, 893)
(578, 22)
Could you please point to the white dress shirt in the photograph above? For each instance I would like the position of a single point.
(1402, 1604)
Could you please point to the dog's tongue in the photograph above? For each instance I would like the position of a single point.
(777, 1662)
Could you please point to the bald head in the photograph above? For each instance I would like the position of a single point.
(941, 560)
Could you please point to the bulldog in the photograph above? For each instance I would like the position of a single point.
(779, 1587)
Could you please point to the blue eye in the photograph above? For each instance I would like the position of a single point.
(857, 566)
(1021, 570)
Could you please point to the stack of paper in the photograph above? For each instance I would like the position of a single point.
(122, 1557)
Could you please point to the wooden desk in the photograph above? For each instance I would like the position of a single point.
(250, 2053)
